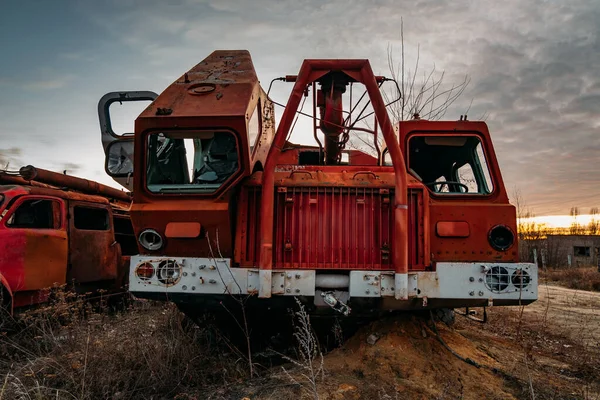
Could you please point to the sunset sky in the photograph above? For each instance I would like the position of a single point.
(533, 67)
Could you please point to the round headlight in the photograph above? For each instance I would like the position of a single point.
(144, 271)
(497, 279)
(151, 240)
(168, 272)
(501, 237)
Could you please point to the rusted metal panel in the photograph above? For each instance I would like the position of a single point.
(33, 259)
(331, 228)
(93, 253)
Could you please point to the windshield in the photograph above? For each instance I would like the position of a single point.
(190, 162)
(450, 164)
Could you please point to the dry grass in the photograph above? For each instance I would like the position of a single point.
(582, 278)
(147, 351)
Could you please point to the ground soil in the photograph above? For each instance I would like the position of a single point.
(547, 350)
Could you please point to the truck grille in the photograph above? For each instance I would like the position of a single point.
(331, 228)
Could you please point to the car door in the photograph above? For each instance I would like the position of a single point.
(93, 251)
(33, 243)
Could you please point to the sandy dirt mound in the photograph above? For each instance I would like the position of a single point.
(407, 361)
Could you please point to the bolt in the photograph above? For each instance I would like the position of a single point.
(366, 277)
(212, 281)
(281, 286)
(193, 274)
(392, 288)
(185, 274)
(297, 290)
(282, 274)
(288, 290)
(289, 276)
(298, 276)
(202, 266)
(193, 287)
(367, 291)
(480, 279)
(471, 279)
(481, 292)
(184, 287)
(382, 289)
(375, 292)
(415, 277)
(471, 293)
(212, 267)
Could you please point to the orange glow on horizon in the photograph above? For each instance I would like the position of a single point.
(561, 221)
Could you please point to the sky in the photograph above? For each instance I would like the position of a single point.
(532, 65)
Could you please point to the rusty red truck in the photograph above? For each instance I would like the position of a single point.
(225, 205)
(57, 229)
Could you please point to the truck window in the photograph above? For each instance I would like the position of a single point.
(254, 126)
(90, 219)
(190, 162)
(450, 164)
(36, 214)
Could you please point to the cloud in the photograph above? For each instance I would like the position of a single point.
(10, 158)
(533, 68)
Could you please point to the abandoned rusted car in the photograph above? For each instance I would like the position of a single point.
(60, 230)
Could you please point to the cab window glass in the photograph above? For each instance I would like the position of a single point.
(36, 214)
(450, 165)
(190, 162)
(90, 218)
(254, 127)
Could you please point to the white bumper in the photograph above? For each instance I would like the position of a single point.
(452, 281)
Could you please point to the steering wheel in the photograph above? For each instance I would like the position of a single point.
(433, 184)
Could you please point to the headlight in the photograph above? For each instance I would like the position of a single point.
(168, 272)
(151, 240)
(497, 279)
(145, 271)
(501, 237)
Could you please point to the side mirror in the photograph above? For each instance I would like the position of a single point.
(119, 158)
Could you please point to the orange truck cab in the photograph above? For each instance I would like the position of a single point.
(53, 236)
(224, 204)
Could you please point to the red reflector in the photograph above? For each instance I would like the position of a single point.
(452, 229)
(183, 230)
(144, 271)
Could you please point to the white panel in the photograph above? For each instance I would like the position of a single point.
(365, 284)
(468, 281)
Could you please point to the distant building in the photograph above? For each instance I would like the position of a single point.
(578, 250)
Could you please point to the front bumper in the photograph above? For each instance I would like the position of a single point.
(451, 285)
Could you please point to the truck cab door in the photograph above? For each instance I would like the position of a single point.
(33, 243)
(118, 148)
(93, 251)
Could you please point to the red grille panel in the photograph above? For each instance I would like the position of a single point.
(331, 228)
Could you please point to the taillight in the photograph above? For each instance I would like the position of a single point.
(145, 271)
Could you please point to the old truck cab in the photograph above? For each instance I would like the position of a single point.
(54, 235)
(226, 205)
